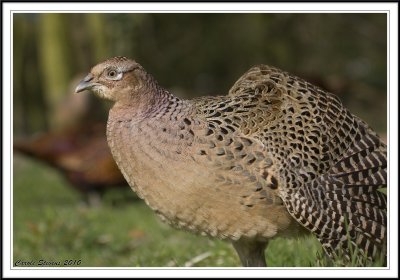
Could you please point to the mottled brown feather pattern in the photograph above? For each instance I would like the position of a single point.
(274, 157)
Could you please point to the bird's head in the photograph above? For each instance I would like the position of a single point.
(116, 79)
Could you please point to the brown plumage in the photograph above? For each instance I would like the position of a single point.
(277, 156)
(81, 154)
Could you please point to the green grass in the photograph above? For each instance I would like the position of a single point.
(50, 223)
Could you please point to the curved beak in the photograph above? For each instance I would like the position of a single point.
(85, 84)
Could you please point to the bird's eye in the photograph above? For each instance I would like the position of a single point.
(113, 74)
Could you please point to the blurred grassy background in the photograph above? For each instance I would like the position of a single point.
(191, 55)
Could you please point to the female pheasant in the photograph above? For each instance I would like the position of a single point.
(277, 156)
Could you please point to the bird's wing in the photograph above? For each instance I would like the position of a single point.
(239, 160)
(329, 163)
(344, 207)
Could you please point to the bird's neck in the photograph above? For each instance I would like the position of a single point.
(153, 102)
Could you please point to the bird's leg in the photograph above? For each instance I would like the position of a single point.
(251, 253)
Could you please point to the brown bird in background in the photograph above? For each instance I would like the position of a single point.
(81, 154)
(277, 156)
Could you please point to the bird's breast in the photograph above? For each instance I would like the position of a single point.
(160, 160)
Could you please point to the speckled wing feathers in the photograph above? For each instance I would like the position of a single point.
(328, 179)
